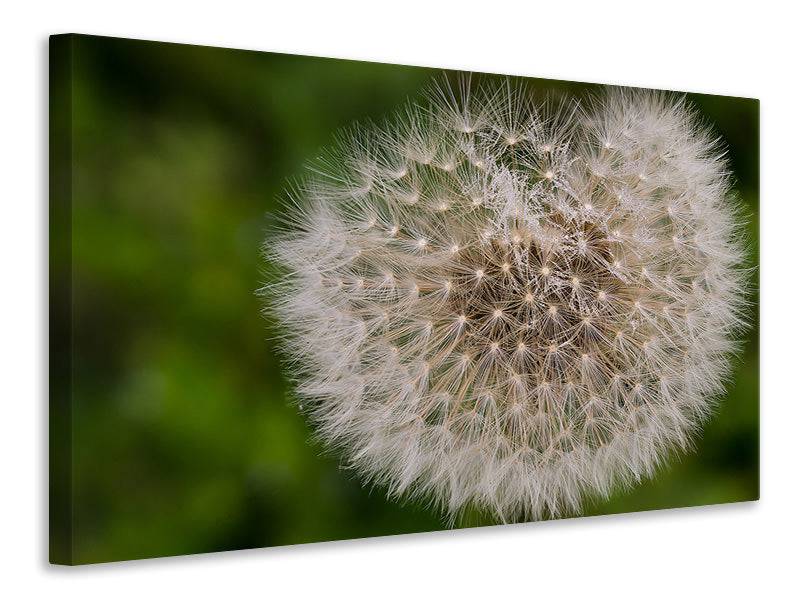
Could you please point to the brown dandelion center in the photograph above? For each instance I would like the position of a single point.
(540, 314)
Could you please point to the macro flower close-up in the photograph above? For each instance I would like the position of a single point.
(495, 303)
(298, 299)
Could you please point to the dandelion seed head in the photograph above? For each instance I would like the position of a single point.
(578, 333)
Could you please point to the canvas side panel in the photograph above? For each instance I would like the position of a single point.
(60, 309)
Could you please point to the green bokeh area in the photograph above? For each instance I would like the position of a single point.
(184, 438)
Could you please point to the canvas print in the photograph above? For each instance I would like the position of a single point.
(299, 299)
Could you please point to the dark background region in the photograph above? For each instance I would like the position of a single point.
(184, 438)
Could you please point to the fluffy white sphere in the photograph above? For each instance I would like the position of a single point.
(495, 304)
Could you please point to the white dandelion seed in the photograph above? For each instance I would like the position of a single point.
(555, 328)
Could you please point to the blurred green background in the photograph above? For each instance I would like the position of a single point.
(184, 438)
